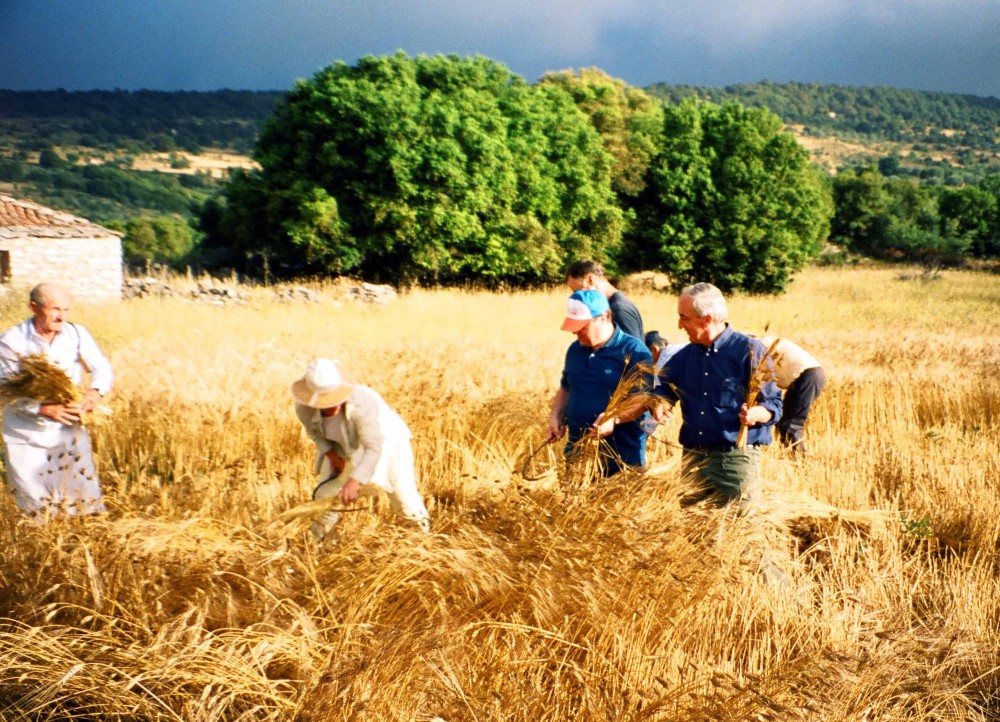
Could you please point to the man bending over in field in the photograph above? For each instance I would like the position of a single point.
(802, 379)
(361, 444)
(47, 450)
(711, 377)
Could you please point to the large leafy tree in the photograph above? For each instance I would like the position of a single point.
(915, 230)
(432, 168)
(731, 199)
(969, 211)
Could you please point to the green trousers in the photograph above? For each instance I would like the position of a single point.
(722, 477)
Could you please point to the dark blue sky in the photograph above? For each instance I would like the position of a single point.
(947, 45)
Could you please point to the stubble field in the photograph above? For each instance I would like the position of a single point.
(200, 596)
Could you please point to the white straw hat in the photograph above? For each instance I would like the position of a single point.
(324, 385)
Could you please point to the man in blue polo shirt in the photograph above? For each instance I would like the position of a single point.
(595, 363)
(710, 377)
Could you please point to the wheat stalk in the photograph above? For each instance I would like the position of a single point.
(761, 372)
(587, 458)
(296, 520)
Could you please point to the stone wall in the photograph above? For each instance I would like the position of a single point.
(91, 267)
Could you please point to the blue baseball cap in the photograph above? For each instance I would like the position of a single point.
(582, 307)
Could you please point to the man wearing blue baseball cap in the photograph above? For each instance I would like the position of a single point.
(601, 357)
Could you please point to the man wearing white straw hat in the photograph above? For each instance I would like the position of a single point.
(50, 465)
(360, 442)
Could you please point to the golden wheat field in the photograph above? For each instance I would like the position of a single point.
(200, 596)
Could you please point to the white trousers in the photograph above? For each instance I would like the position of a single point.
(396, 476)
(61, 478)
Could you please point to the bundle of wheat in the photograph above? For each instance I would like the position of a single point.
(39, 379)
(590, 454)
(761, 372)
(297, 520)
(800, 512)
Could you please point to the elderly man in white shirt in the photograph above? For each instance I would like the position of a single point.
(361, 444)
(50, 465)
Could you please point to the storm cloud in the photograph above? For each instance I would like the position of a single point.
(941, 45)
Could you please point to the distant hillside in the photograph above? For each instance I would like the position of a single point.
(936, 134)
(113, 155)
(935, 131)
(142, 120)
(879, 113)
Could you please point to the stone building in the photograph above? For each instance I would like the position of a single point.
(39, 244)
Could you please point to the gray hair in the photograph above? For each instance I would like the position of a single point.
(45, 291)
(708, 301)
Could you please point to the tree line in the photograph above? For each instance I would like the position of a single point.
(898, 218)
(135, 121)
(453, 170)
(879, 113)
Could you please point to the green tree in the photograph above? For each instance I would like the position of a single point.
(889, 165)
(731, 199)
(861, 201)
(49, 158)
(629, 121)
(897, 218)
(140, 240)
(431, 168)
(163, 239)
(971, 212)
(913, 227)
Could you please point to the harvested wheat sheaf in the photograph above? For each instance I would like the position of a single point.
(590, 454)
(40, 380)
(762, 372)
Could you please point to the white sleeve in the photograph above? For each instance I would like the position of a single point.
(9, 365)
(9, 358)
(369, 434)
(96, 362)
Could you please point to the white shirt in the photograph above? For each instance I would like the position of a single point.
(790, 360)
(74, 351)
(366, 432)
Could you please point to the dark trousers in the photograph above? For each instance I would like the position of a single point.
(799, 398)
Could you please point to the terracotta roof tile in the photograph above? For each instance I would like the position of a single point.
(16, 213)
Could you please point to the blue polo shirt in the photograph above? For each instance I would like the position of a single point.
(591, 377)
(711, 384)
